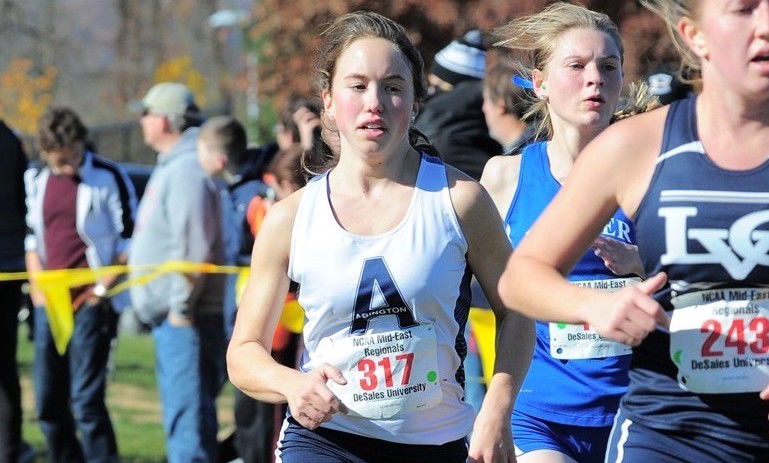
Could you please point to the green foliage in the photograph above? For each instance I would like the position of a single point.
(262, 130)
(132, 400)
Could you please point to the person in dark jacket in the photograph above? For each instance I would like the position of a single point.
(504, 105)
(451, 117)
(12, 230)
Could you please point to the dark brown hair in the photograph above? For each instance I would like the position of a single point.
(498, 84)
(287, 165)
(226, 135)
(286, 117)
(343, 31)
(60, 128)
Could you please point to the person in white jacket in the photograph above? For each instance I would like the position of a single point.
(80, 212)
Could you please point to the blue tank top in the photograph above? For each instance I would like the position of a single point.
(583, 392)
(706, 227)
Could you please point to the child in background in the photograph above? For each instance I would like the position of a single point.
(221, 143)
(222, 151)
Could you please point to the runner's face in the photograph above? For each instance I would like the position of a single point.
(583, 79)
(733, 44)
(372, 97)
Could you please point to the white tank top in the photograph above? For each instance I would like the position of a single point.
(389, 310)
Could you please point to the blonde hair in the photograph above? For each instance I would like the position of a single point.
(671, 11)
(537, 35)
(636, 100)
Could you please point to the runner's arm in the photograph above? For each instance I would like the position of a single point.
(488, 250)
(500, 179)
(250, 366)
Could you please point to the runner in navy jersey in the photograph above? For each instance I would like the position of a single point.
(695, 178)
(382, 244)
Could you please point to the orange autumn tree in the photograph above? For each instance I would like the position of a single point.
(25, 93)
(285, 32)
(181, 69)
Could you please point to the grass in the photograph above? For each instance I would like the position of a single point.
(132, 400)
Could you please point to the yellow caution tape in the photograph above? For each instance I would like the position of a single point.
(293, 313)
(293, 316)
(56, 284)
(483, 326)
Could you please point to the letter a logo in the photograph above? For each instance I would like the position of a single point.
(376, 276)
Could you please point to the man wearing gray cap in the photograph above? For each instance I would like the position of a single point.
(178, 220)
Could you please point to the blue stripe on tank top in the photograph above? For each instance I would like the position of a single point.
(461, 312)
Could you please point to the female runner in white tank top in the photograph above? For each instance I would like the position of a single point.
(382, 244)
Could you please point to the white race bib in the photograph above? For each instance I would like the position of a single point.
(719, 340)
(388, 374)
(571, 342)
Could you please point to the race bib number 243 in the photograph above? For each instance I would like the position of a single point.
(719, 340)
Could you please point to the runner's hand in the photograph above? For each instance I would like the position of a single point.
(630, 314)
(765, 394)
(311, 402)
(619, 257)
(492, 439)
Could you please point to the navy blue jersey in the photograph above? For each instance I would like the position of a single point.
(584, 391)
(707, 228)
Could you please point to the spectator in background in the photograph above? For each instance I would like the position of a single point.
(221, 149)
(287, 173)
(451, 116)
(667, 87)
(223, 153)
(12, 229)
(503, 107)
(299, 124)
(80, 210)
(179, 220)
